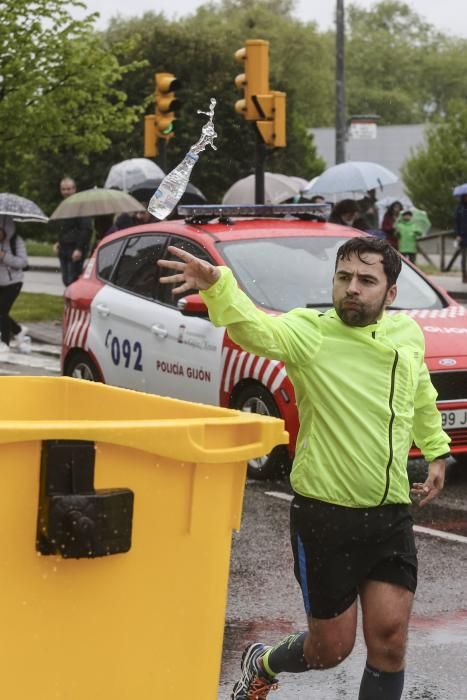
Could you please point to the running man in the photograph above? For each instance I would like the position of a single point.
(363, 394)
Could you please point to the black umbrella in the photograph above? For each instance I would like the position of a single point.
(145, 190)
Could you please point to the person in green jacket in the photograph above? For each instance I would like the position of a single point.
(363, 394)
(407, 234)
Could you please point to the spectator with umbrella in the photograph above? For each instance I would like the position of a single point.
(95, 202)
(347, 213)
(13, 260)
(407, 233)
(389, 222)
(460, 226)
(74, 237)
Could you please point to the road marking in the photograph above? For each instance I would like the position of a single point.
(417, 528)
(440, 533)
(45, 349)
(278, 494)
(47, 362)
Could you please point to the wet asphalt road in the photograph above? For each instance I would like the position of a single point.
(265, 604)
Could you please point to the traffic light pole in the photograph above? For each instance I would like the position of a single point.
(260, 156)
(163, 154)
(340, 83)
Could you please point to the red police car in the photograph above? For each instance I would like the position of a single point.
(123, 328)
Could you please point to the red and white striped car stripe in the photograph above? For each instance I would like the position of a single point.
(237, 365)
(76, 324)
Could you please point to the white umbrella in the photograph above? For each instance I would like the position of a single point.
(299, 181)
(20, 208)
(352, 176)
(129, 174)
(385, 202)
(277, 188)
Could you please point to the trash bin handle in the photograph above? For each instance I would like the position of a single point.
(242, 436)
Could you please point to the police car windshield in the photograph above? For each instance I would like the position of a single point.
(296, 271)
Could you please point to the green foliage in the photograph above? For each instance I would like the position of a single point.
(60, 97)
(432, 172)
(37, 307)
(40, 248)
(387, 53)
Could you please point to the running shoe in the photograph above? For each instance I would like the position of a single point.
(17, 339)
(254, 684)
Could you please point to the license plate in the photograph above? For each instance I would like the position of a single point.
(456, 418)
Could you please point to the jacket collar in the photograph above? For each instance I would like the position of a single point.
(378, 327)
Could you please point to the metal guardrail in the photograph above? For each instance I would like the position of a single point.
(442, 238)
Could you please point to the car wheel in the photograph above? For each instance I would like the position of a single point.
(254, 398)
(81, 366)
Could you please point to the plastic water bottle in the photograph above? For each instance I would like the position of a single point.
(173, 186)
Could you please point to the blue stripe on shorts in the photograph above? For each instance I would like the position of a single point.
(302, 570)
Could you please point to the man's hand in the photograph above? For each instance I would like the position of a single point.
(76, 255)
(192, 273)
(2, 254)
(426, 492)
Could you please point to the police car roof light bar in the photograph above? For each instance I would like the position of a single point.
(223, 211)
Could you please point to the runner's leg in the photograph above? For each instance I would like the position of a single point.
(327, 644)
(386, 609)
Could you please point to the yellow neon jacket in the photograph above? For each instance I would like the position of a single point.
(363, 395)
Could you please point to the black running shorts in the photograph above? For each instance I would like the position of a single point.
(336, 548)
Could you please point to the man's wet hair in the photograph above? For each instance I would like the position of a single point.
(361, 245)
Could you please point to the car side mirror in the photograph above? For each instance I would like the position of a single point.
(192, 305)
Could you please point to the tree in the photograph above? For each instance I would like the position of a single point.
(399, 66)
(432, 172)
(202, 46)
(60, 94)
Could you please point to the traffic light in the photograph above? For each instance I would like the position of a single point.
(166, 103)
(150, 136)
(255, 79)
(272, 125)
(260, 104)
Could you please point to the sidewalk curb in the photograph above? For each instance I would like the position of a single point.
(46, 340)
(43, 268)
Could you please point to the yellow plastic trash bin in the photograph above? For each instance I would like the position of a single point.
(117, 509)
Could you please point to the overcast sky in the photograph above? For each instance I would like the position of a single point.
(447, 15)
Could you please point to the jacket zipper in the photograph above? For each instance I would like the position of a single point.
(391, 423)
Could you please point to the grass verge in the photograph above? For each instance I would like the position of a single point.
(40, 249)
(37, 307)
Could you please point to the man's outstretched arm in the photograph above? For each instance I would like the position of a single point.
(288, 337)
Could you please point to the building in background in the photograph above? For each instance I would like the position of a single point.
(387, 145)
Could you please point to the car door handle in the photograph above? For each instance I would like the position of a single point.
(160, 331)
(103, 310)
